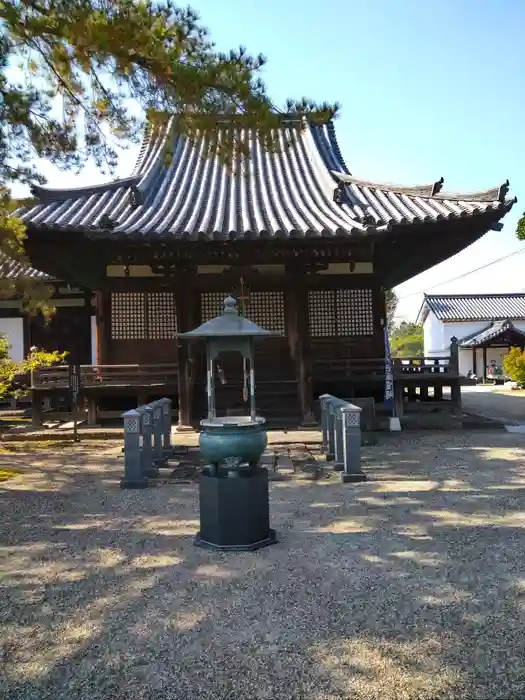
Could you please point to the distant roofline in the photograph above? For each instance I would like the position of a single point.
(425, 309)
(476, 295)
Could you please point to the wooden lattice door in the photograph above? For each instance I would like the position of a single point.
(143, 328)
(341, 323)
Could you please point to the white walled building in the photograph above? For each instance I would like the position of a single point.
(485, 325)
(73, 328)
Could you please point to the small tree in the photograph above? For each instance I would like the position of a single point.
(391, 301)
(514, 366)
(407, 340)
(14, 375)
(79, 79)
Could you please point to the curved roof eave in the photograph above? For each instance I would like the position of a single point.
(292, 192)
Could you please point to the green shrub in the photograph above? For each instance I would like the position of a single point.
(514, 366)
(14, 375)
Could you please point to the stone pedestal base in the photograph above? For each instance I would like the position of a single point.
(133, 483)
(235, 511)
(352, 478)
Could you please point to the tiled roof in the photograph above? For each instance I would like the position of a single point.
(490, 333)
(473, 307)
(11, 269)
(302, 190)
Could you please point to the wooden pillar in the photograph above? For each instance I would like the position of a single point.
(36, 404)
(103, 316)
(185, 303)
(26, 334)
(399, 398)
(455, 386)
(302, 354)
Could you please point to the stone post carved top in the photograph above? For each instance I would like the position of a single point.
(131, 421)
(352, 419)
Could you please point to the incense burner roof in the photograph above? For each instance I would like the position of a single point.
(228, 325)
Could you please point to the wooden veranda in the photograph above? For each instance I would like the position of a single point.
(417, 379)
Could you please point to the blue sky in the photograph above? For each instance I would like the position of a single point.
(427, 90)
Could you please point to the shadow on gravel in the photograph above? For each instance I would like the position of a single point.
(408, 586)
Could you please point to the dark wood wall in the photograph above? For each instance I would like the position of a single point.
(342, 314)
(69, 329)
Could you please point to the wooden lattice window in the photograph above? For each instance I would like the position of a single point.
(143, 316)
(321, 312)
(340, 312)
(266, 309)
(161, 316)
(354, 312)
(212, 305)
(128, 316)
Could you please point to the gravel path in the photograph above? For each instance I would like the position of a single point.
(410, 586)
(494, 402)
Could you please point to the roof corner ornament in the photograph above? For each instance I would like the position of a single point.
(135, 197)
(339, 194)
(503, 191)
(437, 186)
(107, 222)
(368, 219)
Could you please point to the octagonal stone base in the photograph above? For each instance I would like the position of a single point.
(235, 512)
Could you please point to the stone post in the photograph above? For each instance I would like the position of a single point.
(351, 425)
(323, 402)
(158, 453)
(167, 447)
(338, 435)
(133, 477)
(330, 429)
(455, 386)
(149, 469)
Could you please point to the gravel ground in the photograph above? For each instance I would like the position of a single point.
(409, 586)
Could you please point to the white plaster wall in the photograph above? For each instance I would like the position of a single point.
(437, 337)
(13, 328)
(461, 330)
(465, 361)
(94, 358)
(432, 336)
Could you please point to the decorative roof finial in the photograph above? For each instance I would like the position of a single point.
(230, 306)
(437, 186)
(339, 193)
(503, 191)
